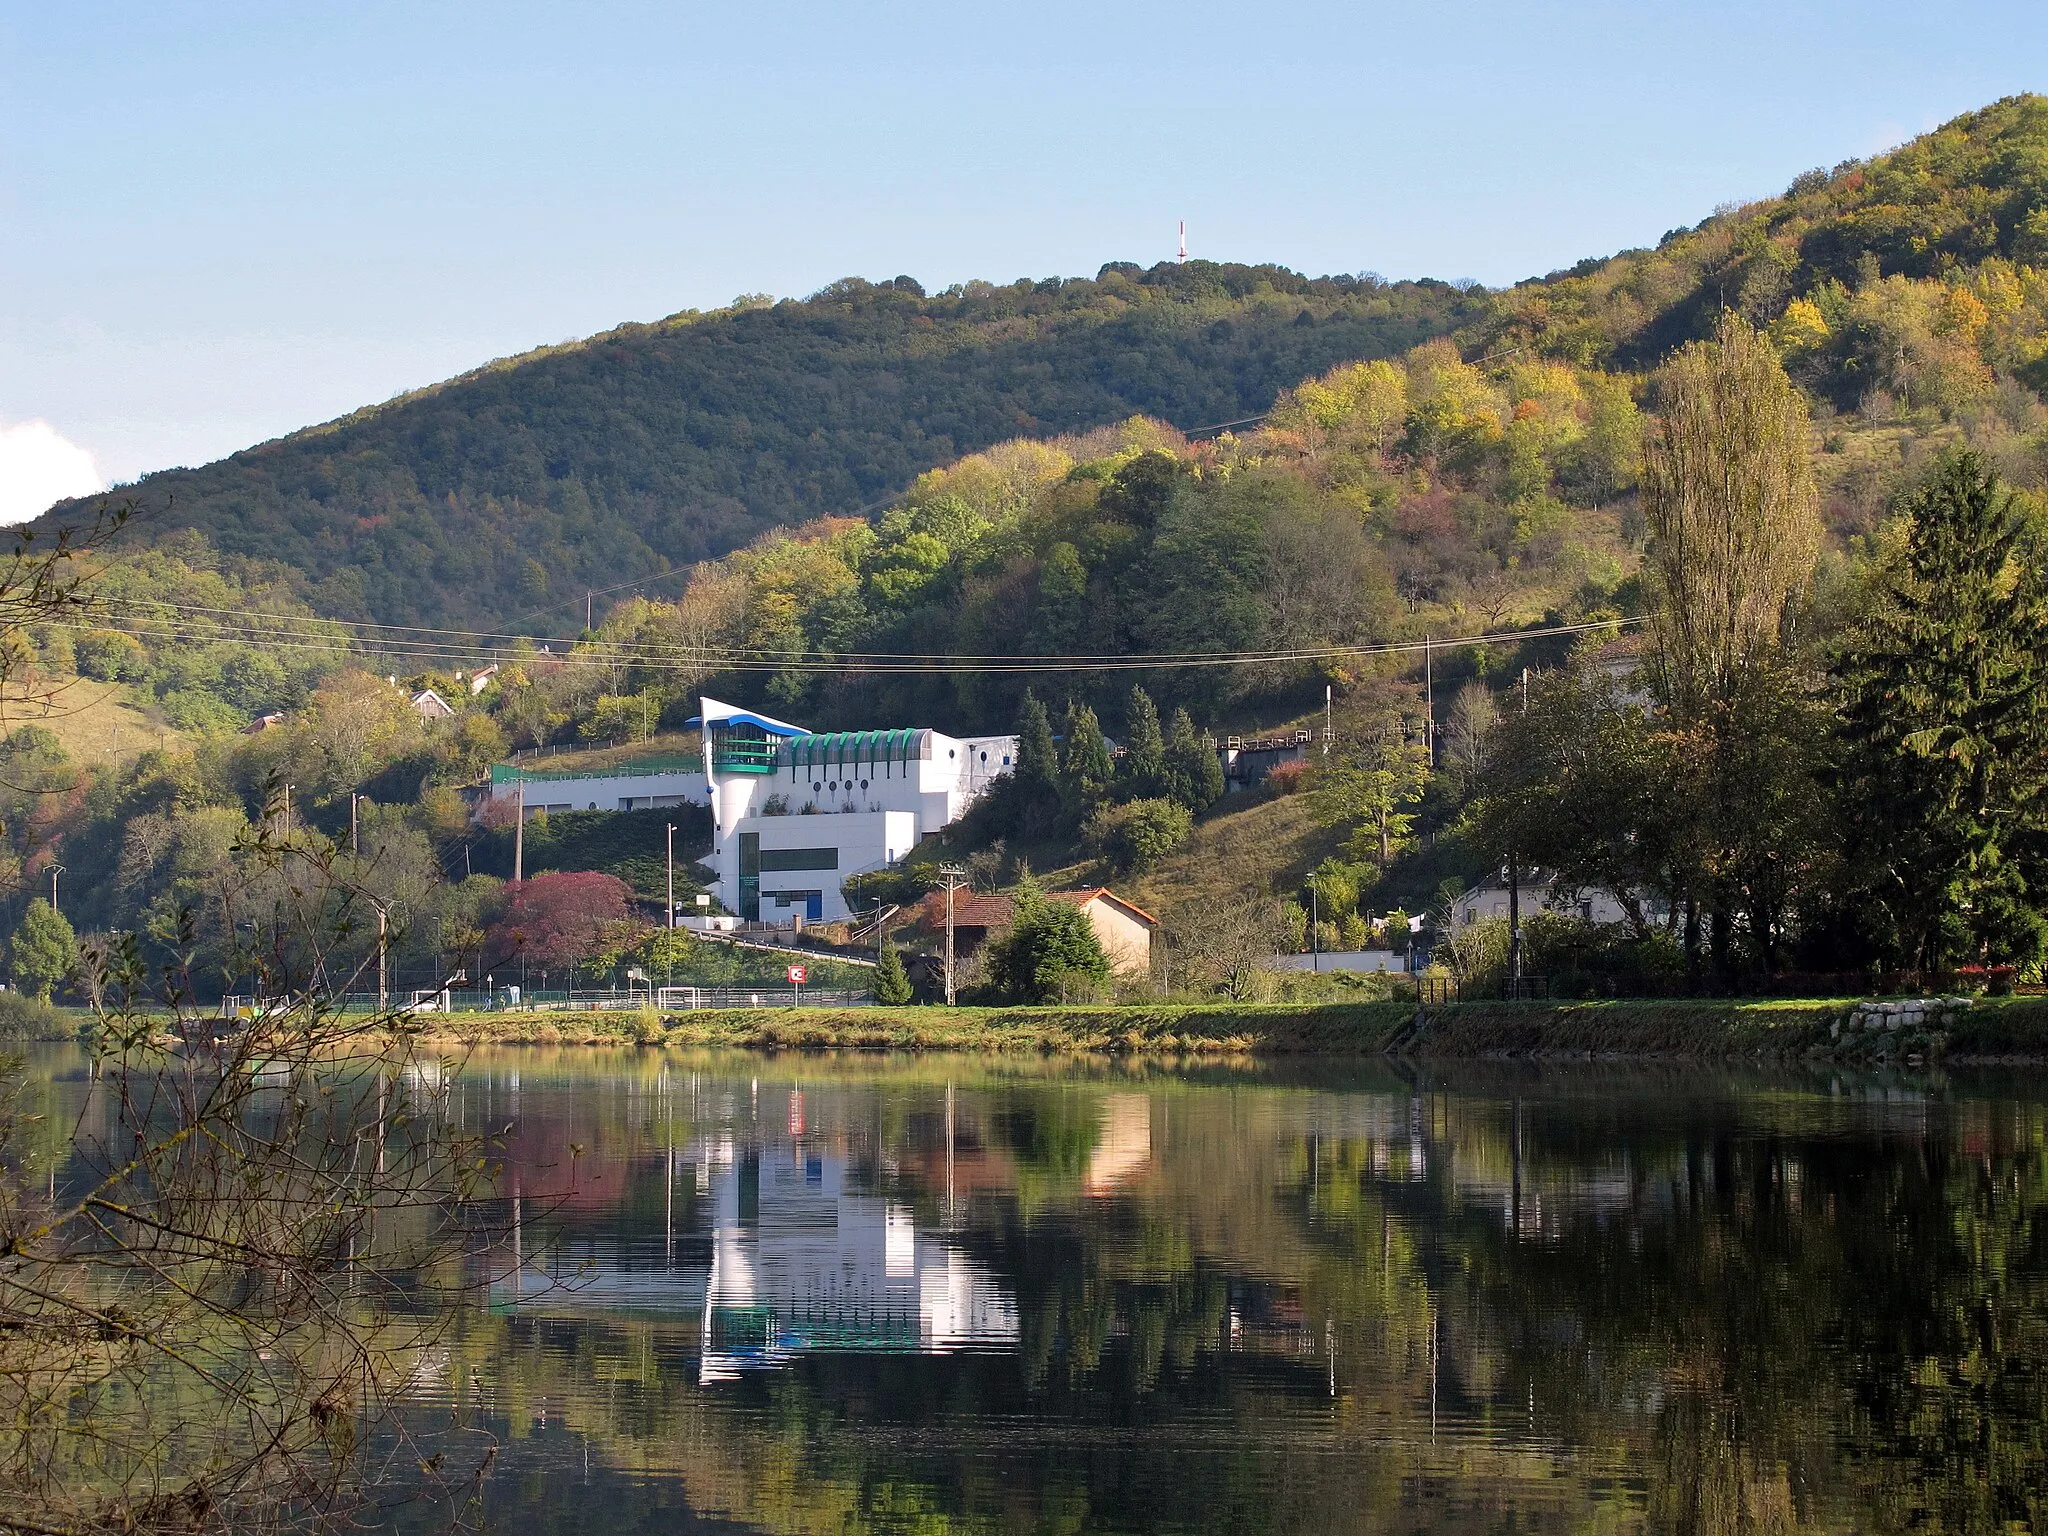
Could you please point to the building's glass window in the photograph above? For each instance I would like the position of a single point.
(774, 860)
(750, 877)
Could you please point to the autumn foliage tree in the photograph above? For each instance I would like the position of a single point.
(556, 920)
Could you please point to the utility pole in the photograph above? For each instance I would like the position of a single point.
(587, 596)
(287, 813)
(1514, 883)
(954, 877)
(1429, 698)
(54, 868)
(355, 846)
(671, 875)
(519, 836)
(1329, 723)
(383, 986)
(1525, 690)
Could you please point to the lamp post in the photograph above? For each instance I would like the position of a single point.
(54, 870)
(1315, 921)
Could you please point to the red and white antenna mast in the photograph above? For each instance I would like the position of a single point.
(1183, 239)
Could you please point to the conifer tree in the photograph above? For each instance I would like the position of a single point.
(1193, 774)
(1086, 767)
(1144, 765)
(892, 983)
(1038, 764)
(1947, 719)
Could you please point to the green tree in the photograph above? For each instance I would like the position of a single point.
(1373, 785)
(1139, 833)
(1729, 494)
(1581, 783)
(44, 950)
(1337, 887)
(1038, 766)
(1143, 771)
(1051, 953)
(892, 983)
(1193, 773)
(1945, 704)
(1085, 766)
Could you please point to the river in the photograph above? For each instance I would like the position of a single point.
(810, 1295)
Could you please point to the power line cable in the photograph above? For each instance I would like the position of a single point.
(714, 659)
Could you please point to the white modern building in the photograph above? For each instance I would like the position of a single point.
(795, 812)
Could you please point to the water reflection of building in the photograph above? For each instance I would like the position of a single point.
(795, 1260)
(1123, 1145)
(799, 1262)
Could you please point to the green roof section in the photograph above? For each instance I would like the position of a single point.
(823, 748)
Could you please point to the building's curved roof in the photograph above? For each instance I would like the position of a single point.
(820, 747)
(748, 717)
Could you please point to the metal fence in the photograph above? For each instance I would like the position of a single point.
(762, 997)
(608, 1000)
(1448, 989)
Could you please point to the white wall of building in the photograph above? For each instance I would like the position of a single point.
(869, 796)
(620, 791)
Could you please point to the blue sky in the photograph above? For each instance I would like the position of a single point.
(219, 222)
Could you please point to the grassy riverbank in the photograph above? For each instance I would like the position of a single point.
(1992, 1029)
(1300, 1028)
(1700, 1028)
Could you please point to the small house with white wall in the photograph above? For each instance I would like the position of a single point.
(1123, 928)
(1539, 893)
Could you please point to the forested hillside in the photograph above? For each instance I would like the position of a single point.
(504, 494)
(1489, 480)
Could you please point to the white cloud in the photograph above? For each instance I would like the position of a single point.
(39, 466)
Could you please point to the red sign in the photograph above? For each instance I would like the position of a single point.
(798, 975)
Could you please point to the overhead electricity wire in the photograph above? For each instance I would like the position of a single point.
(273, 632)
(611, 652)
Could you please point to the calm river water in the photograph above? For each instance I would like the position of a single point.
(805, 1295)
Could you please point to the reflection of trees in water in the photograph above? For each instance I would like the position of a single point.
(1696, 1311)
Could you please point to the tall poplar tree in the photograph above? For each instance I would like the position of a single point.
(1729, 496)
(1734, 516)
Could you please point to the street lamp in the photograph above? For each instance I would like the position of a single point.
(55, 869)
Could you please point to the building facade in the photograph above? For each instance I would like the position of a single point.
(650, 785)
(795, 812)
